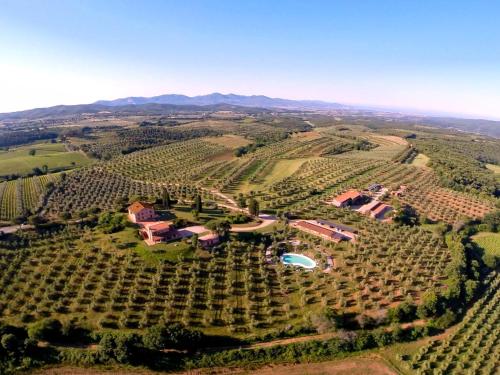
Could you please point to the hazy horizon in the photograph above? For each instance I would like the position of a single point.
(422, 56)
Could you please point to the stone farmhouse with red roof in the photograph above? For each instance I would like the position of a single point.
(159, 231)
(348, 198)
(139, 211)
(375, 209)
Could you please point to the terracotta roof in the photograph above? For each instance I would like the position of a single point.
(160, 226)
(332, 232)
(369, 206)
(349, 194)
(316, 228)
(337, 226)
(138, 206)
(383, 207)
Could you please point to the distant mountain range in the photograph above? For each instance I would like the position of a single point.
(259, 101)
(172, 103)
(148, 109)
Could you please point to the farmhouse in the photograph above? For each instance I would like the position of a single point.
(375, 209)
(366, 209)
(327, 230)
(380, 211)
(159, 231)
(348, 198)
(139, 211)
(209, 240)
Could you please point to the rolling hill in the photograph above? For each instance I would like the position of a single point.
(233, 99)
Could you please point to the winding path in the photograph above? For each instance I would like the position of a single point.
(266, 219)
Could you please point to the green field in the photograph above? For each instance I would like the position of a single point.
(282, 168)
(490, 242)
(53, 155)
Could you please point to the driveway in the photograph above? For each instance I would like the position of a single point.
(266, 220)
(15, 228)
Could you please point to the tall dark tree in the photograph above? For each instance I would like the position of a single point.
(242, 202)
(198, 204)
(253, 207)
(166, 199)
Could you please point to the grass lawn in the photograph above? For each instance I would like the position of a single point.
(251, 223)
(490, 242)
(173, 251)
(420, 160)
(185, 212)
(282, 169)
(54, 155)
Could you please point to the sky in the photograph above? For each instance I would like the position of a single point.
(417, 54)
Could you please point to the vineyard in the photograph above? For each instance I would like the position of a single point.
(24, 194)
(85, 265)
(472, 347)
(125, 141)
(285, 175)
(236, 290)
(442, 204)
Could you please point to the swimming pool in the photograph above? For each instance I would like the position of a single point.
(298, 260)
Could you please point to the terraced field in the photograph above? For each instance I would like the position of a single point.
(284, 175)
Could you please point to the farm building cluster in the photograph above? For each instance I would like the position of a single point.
(367, 202)
(154, 231)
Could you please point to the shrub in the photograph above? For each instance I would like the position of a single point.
(117, 347)
(444, 321)
(429, 304)
(111, 223)
(404, 312)
(10, 343)
(46, 330)
(173, 336)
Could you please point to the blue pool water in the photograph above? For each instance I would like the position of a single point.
(298, 260)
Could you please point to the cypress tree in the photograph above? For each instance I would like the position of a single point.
(198, 204)
(166, 199)
(253, 207)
